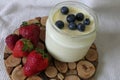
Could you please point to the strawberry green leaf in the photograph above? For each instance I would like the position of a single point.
(28, 46)
(24, 23)
(42, 52)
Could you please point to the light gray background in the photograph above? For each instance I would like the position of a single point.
(13, 12)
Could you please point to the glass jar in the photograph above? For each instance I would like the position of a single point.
(62, 45)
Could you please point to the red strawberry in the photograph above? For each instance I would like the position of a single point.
(30, 32)
(11, 40)
(22, 48)
(36, 62)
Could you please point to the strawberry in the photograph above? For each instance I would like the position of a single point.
(37, 61)
(22, 48)
(11, 40)
(30, 32)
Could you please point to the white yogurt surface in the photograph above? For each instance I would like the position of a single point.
(73, 10)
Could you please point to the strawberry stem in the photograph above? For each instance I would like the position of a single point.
(24, 23)
(42, 52)
(28, 46)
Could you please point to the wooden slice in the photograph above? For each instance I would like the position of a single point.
(72, 77)
(34, 78)
(72, 72)
(61, 66)
(92, 55)
(60, 76)
(42, 34)
(12, 61)
(9, 70)
(41, 45)
(16, 31)
(17, 73)
(24, 59)
(7, 50)
(72, 65)
(43, 20)
(51, 71)
(85, 69)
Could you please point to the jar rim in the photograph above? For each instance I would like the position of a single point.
(93, 14)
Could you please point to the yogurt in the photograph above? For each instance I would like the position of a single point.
(69, 45)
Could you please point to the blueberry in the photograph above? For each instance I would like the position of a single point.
(86, 21)
(71, 18)
(72, 26)
(79, 16)
(64, 10)
(81, 27)
(59, 24)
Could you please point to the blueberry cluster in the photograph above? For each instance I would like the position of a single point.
(71, 18)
